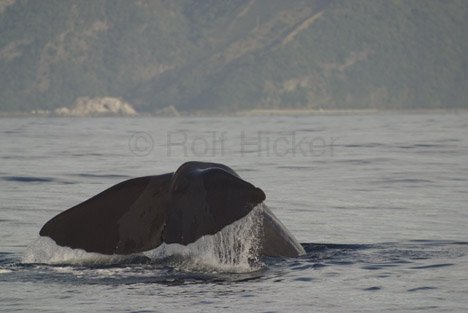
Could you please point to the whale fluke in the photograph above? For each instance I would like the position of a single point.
(141, 213)
(124, 219)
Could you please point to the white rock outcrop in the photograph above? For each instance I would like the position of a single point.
(105, 106)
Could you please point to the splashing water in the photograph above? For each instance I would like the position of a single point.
(234, 249)
(44, 250)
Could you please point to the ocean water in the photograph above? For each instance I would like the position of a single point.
(379, 201)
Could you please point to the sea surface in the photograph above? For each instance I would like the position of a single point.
(379, 202)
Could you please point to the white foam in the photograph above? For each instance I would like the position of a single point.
(234, 249)
(45, 250)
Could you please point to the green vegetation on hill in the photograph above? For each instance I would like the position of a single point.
(231, 55)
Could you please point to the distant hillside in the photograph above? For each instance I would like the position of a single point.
(232, 55)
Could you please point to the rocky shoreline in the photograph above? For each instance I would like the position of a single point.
(105, 106)
(122, 110)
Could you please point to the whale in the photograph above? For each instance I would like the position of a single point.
(140, 214)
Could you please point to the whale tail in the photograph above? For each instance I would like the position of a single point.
(123, 219)
(140, 214)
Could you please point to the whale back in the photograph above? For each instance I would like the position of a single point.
(276, 240)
